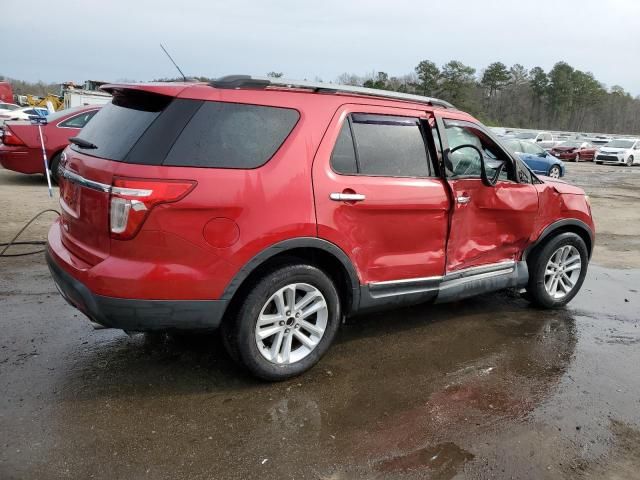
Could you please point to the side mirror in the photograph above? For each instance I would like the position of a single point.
(475, 155)
(538, 139)
(543, 154)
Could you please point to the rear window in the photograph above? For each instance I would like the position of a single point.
(151, 129)
(118, 125)
(232, 135)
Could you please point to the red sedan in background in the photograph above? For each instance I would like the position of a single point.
(20, 148)
(574, 150)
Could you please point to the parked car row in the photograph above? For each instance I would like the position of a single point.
(544, 153)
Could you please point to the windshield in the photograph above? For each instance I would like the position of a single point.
(512, 143)
(526, 135)
(620, 144)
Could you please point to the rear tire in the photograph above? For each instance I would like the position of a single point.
(576, 158)
(273, 334)
(557, 271)
(53, 167)
(598, 163)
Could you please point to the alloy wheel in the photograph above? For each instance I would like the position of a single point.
(554, 172)
(291, 323)
(562, 271)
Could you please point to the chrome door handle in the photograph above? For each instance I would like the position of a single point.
(463, 199)
(347, 197)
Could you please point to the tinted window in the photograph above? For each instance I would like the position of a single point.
(119, 125)
(390, 146)
(231, 135)
(78, 121)
(343, 158)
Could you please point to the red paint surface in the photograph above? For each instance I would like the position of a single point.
(494, 226)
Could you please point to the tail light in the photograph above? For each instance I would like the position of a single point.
(10, 138)
(131, 201)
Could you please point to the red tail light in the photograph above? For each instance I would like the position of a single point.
(132, 200)
(10, 138)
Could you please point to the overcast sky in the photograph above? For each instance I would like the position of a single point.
(118, 39)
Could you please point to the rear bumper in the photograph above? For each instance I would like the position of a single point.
(21, 159)
(132, 314)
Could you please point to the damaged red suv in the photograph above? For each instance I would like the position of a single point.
(273, 209)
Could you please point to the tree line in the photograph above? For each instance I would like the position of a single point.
(564, 98)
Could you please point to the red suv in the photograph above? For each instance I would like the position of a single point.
(273, 209)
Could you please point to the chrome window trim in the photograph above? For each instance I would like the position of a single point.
(58, 125)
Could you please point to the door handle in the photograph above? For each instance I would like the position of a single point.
(347, 197)
(463, 199)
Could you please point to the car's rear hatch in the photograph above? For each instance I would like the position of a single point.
(138, 127)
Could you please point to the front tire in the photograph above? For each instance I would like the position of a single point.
(557, 271)
(286, 324)
(554, 171)
(630, 161)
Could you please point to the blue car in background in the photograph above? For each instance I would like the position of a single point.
(536, 158)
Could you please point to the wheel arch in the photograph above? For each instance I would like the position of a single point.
(323, 254)
(563, 226)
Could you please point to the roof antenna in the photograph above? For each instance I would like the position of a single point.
(174, 63)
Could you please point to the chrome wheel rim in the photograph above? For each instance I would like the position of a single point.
(291, 323)
(562, 272)
(555, 172)
(577, 157)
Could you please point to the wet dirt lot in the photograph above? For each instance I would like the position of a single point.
(485, 388)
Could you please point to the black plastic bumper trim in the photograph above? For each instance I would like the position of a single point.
(137, 315)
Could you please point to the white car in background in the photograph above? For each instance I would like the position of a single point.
(542, 139)
(24, 113)
(621, 151)
(8, 106)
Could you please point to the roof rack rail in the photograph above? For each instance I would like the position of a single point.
(249, 82)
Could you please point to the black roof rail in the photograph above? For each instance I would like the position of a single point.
(249, 82)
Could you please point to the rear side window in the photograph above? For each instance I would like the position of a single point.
(385, 145)
(79, 121)
(343, 158)
(232, 135)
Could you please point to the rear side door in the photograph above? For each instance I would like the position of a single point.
(377, 195)
(489, 224)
